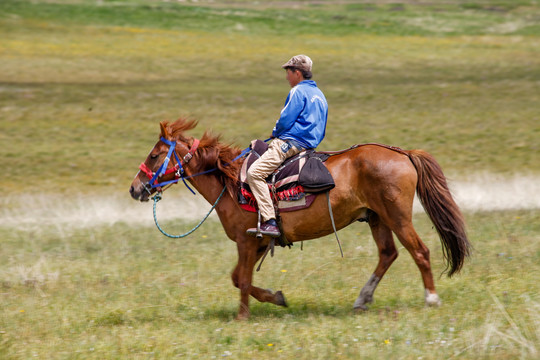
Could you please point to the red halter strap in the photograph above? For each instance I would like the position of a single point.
(145, 169)
(191, 151)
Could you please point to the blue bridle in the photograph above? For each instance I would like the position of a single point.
(179, 174)
(178, 169)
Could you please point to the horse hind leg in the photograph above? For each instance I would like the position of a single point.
(420, 254)
(387, 254)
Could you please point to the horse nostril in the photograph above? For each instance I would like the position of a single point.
(131, 190)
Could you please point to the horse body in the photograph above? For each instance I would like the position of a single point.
(358, 175)
(373, 183)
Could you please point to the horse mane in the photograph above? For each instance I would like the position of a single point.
(211, 153)
(174, 130)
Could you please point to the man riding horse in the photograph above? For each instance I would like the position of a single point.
(373, 182)
(301, 126)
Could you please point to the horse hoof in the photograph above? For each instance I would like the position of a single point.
(280, 299)
(242, 317)
(433, 300)
(361, 302)
(360, 309)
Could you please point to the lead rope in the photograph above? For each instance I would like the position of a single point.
(158, 197)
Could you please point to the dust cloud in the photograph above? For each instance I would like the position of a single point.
(27, 212)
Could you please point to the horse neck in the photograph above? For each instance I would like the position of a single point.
(208, 186)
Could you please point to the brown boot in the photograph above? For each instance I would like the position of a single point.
(268, 228)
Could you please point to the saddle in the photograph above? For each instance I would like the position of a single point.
(293, 185)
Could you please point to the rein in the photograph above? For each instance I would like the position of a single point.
(178, 170)
(158, 197)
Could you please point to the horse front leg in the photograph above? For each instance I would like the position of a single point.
(243, 275)
(249, 253)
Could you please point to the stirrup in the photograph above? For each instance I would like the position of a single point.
(256, 233)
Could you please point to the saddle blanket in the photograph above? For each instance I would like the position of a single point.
(283, 183)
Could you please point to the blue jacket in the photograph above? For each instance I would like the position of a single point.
(303, 118)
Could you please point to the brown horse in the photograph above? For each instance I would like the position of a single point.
(373, 183)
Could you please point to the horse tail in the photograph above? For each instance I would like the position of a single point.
(441, 208)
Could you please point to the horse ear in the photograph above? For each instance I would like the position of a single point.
(163, 127)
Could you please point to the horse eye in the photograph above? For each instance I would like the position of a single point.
(154, 157)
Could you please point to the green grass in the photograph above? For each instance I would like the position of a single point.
(452, 18)
(83, 85)
(127, 292)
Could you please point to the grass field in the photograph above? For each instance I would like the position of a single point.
(83, 85)
(123, 292)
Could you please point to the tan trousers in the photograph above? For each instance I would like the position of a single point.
(264, 166)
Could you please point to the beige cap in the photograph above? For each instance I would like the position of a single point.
(300, 62)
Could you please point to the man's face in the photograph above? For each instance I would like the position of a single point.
(294, 77)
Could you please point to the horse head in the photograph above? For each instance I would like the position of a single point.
(164, 164)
